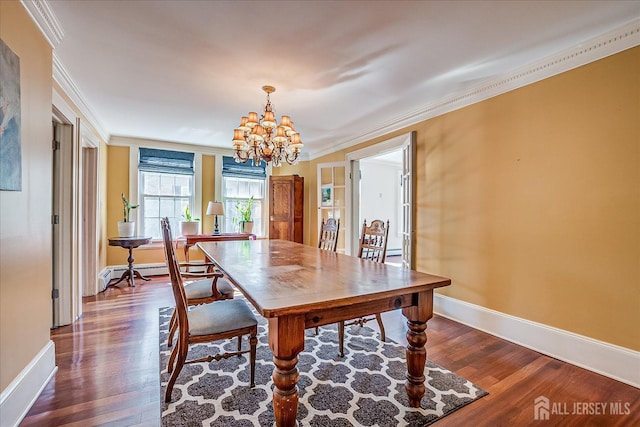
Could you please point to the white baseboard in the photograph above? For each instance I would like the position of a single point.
(619, 363)
(21, 394)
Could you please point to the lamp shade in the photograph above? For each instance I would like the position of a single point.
(215, 208)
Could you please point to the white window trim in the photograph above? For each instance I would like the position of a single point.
(134, 179)
(265, 203)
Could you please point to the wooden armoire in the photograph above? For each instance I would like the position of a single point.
(286, 200)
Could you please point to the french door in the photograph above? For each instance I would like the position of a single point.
(408, 196)
(333, 198)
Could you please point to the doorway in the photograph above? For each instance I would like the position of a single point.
(75, 215)
(381, 198)
(384, 188)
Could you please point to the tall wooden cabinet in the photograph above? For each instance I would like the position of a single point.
(286, 200)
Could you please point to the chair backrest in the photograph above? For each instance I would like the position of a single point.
(373, 241)
(176, 279)
(328, 239)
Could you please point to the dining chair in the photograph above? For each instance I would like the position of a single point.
(373, 247)
(328, 239)
(218, 320)
(211, 287)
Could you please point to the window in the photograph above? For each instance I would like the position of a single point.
(165, 188)
(240, 181)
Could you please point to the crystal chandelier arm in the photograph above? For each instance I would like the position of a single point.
(241, 156)
(292, 157)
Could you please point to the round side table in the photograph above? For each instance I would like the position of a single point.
(129, 243)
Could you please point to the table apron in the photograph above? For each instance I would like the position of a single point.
(335, 314)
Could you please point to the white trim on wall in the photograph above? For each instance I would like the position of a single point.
(619, 363)
(125, 141)
(22, 392)
(45, 20)
(63, 78)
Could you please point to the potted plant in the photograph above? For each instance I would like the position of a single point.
(189, 225)
(244, 218)
(126, 227)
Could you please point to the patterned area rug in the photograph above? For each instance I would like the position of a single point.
(365, 388)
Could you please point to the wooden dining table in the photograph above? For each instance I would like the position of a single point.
(296, 287)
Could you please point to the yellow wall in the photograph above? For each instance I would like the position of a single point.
(208, 192)
(25, 219)
(118, 183)
(530, 201)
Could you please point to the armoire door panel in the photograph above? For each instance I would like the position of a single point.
(286, 208)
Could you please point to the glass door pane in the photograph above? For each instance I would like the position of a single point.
(332, 202)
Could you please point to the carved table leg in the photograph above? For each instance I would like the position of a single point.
(417, 317)
(416, 361)
(131, 275)
(286, 339)
(125, 275)
(285, 393)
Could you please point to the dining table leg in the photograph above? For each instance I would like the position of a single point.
(286, 340)
(417, 317)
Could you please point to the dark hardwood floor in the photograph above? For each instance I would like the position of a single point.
(108, 370)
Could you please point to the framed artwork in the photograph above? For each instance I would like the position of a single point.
(10, 145)
(326, 196)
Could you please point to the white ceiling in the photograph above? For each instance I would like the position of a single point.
(186, 71)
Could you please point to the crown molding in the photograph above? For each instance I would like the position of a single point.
(62, 77)
(46, 21)
(48, 24)
(609, 43)
(130, 141)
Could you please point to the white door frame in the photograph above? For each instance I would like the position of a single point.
(62, 227)
(408, 197)
(69, 266)
(344, 222)
(354, 158)
(90, 213)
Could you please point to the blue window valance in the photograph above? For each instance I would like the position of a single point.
(243, 170)
(166, 161)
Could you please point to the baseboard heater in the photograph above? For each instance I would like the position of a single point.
(157, 269)
(394, 251)
(104, 277)
(115, 272)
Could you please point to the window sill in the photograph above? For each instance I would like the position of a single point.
(179, 243)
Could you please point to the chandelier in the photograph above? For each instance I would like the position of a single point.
(265, 139)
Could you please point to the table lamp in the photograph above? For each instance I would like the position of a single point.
(215, 208)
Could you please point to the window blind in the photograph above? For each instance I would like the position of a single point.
(243, 170)
(166, 161)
